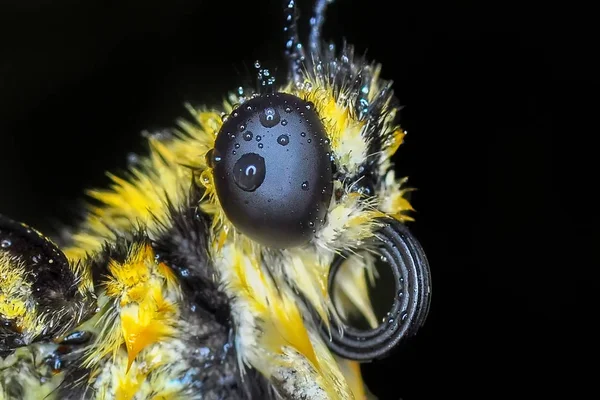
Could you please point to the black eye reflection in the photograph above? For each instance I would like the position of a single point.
(272, 170)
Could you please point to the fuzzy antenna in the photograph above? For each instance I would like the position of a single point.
(294, 51)
(316, 26)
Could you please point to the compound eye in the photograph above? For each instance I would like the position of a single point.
(272, 170)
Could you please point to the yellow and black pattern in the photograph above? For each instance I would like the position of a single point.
(161, 294)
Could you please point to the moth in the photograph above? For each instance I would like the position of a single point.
(231, 259)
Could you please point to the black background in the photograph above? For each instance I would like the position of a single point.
(501, 99)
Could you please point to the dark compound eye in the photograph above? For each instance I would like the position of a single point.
(272, 170)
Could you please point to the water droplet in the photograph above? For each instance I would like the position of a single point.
(305, 185)
(258, 138)
(235, 114)
(311, 224)
(249, 172)
(269, 117)
(248, 136)
(5, 243)
(303, 134)
(256, 64)
(231, 135)
(283, 139)
(288, 109)
(326, 141)
(260, 146)
(309, 105)
(400, 293)
(284, 122)
(248, 108)
(391, 321)
(234, 152)
(309, 140)
(237, 146)
(224, 117)
(241, 127)
(383, 259)
(404, 316)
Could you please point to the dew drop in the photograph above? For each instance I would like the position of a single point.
(234, 152)
(224, 118)
(305, 185)
(284, 122)
(269, 117)
(260, 146)
(249, 172)
(248, 136)
(311, 224)
(5, 243)
(237, 146)
(283, 140)
(241, 127)
(309, 140)
(309, 105)
(303, 134)
(258, 138)
(288, 109)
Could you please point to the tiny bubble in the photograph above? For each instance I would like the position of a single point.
(283, 139)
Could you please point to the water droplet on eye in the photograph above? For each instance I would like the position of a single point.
(248, 136)
(404, 316)
(391, 321)
(235, 114)
(5, 243)
(310, 104)
(311, 224)
(248, 108)
(326, 141)
(283, 139)
(249, 172)
(303, 134)
(260, 146)
(284, 122)
(309, 140)
(237, 146)
(234, 152)
(258, 138)
(231, 135)
(269, 117)
(305, 185)
(241, 127)
(288, 109)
